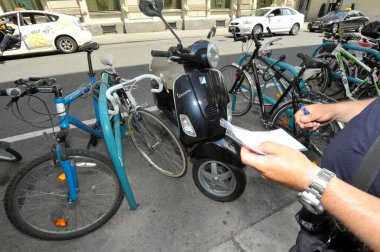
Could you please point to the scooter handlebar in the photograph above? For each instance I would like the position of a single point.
(155, 53)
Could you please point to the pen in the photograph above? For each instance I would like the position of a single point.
(304, 109)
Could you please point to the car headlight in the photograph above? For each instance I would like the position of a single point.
(212, 55)
(187, 127)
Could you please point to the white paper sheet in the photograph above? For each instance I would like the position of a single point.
(252, 139)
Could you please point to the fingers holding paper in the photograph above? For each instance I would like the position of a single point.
(281, 164)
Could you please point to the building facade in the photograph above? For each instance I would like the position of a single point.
(124, 16)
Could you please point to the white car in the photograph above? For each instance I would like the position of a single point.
(42, 31)
(278, 19)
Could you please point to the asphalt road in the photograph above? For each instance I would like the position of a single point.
(172, 215)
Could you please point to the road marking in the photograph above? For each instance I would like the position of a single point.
(38, 133)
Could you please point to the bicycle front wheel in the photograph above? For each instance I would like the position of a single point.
(316, 140)
(36, 200)
(157, 144)
(241, 98)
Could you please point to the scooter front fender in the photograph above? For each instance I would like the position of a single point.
(223, 149)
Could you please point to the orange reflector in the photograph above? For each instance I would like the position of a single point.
(315, 162)
(61, 222)
(278, 95)
(284, 122)
(61, 177)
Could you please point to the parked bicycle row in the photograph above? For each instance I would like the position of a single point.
(85, 188)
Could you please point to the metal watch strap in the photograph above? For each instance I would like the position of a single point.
(319, 183)
(311, 197)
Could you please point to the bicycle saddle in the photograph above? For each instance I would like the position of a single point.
(89, 46)
(310, 62)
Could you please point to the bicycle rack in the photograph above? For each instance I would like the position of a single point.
(113, 141)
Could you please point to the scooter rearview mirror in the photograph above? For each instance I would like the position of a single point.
(151, 8)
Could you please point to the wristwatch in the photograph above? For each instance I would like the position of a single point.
(311, 197)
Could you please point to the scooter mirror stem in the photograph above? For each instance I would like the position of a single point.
(168, 26)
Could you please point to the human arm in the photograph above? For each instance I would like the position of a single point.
(355, 209)
(320, 114)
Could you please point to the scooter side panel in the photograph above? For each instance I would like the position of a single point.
(224, 150)
(201, 96)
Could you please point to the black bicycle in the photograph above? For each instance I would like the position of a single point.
(281, 113)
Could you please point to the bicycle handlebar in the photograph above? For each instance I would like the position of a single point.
(30, 86)
(114, 98)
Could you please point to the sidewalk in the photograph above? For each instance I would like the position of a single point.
(164, 35)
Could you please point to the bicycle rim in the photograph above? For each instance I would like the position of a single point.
(157, 144)
(241, 98)
(36, 199)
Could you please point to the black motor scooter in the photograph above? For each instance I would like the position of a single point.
(195, 98)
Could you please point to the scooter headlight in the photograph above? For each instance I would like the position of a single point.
(186, 125)
(212, 54)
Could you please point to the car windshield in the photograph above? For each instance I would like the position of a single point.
(336, 15)
(260, 12)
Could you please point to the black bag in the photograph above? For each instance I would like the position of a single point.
(320, 233)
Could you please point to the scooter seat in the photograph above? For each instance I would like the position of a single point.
(310, 62)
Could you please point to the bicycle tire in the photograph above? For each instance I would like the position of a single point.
(368, 92)
(336, 87)
(9, 155)
(39, 189)
(320, 81)
(316, 140)
(157, 144)
(241, 99)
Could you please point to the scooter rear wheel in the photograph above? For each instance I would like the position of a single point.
(219, 181)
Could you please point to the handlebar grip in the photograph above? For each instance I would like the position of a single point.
(3, 92)
(156, 53)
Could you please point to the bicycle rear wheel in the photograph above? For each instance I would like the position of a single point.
(316, 140)
(241, 98)
(8, 154)
(36, 198)
(157, 144)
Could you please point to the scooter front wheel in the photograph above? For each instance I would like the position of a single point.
(219, 181)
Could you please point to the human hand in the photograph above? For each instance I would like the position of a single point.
(318, 114)
(282, 165)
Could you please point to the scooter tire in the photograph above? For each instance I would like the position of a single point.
(219, 181)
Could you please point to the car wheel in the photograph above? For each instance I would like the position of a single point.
(360, 27)
(295, 29)
(257, 29)
(66, 44)
(334, 28)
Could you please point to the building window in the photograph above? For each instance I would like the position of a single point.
(263, 3)
(103, 5)
(11, 5)
(172, 4)
(220, 4)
